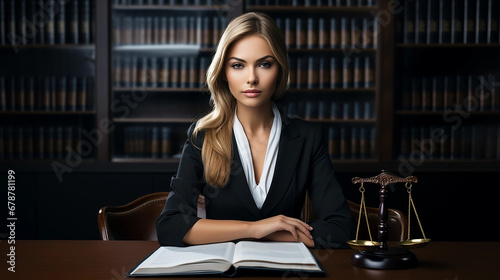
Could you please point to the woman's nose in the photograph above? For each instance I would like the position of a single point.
(252, 77)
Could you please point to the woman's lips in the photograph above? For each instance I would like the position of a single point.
(252, 92)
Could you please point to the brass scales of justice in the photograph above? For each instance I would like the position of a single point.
(377, 254)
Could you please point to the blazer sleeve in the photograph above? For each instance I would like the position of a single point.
(334, 225)
(180, 211)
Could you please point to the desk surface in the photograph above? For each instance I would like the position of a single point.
(111, 260)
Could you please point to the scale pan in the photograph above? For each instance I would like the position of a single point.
(415, 243)
(363, 244)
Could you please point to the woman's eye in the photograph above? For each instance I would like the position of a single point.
(237, 65)
(265, 64)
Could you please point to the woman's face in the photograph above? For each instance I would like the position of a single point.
(251, 71)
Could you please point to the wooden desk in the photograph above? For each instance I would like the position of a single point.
(111, 260)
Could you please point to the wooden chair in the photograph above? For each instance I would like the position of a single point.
(397, 222)
(133, 221)
(137, 219)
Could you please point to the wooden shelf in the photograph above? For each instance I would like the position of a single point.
(350, 121)
(350, 50)
(155, 120)
(329, 90)
(453, 46)
(164, 48)
(56, 113)
(146, 160)
(159, 89)
(442, 113)
(51, 46)
(313, 9)
(178, 8)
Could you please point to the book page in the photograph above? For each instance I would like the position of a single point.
(293, 255)
(192, 259)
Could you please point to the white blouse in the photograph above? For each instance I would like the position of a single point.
(259, 191)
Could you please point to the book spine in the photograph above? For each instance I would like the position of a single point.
(469, 21)
(324, 72)
(406, 96)
(409, 26)
(61, 94)
(347, 73)
(420, 21)
(75, 22)
(437, 94)
(174, 73)
(432, 22)
(164, 72)
(3, 95)
(61, 24)
(358, 73)
(20, 95)
(85, 22)
(449, 92)
(345, 33)
(355, 143)
(312, 33)
(481, 21)
(426, 94)
(324, 39)
(312, 73)
(457, 26)
(493, 32)
(82, 95)
(334, 33)
(416, 93)
(335, 72)
(184, 72)
(3, 20)
(445, 21)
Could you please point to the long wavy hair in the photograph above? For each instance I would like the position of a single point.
(217, 150)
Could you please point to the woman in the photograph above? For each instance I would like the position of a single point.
(252, 164)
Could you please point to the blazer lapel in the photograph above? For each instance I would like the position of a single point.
(238, 182)
(288, 157)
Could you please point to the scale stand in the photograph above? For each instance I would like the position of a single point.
(383, 256)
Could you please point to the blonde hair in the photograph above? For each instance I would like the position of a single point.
(217, 150)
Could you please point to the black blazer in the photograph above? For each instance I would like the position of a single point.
(303, 164)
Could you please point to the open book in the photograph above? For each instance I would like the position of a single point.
(222, 258)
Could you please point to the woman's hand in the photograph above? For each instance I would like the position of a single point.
(266, 227)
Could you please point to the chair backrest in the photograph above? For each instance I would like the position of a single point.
(397, 223)
(133, 221)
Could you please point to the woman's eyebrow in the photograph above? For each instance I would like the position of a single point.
(242, 60)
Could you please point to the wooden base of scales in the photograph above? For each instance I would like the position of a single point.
(377, 254)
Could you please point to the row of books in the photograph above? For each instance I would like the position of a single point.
(202, 30)
(467, 142)
(335, 110)
(449, 21)
(437, 93)
(328, 32)
(326, 3)
(28, 22)
(41, 142)
(46, 93)
(161, 72)
(351, 142)
(356, 71)
(169, 2)
(313, 72)
(147, 142)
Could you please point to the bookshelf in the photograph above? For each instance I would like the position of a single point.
(447, 113)
(380, 76)
(46, 104)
